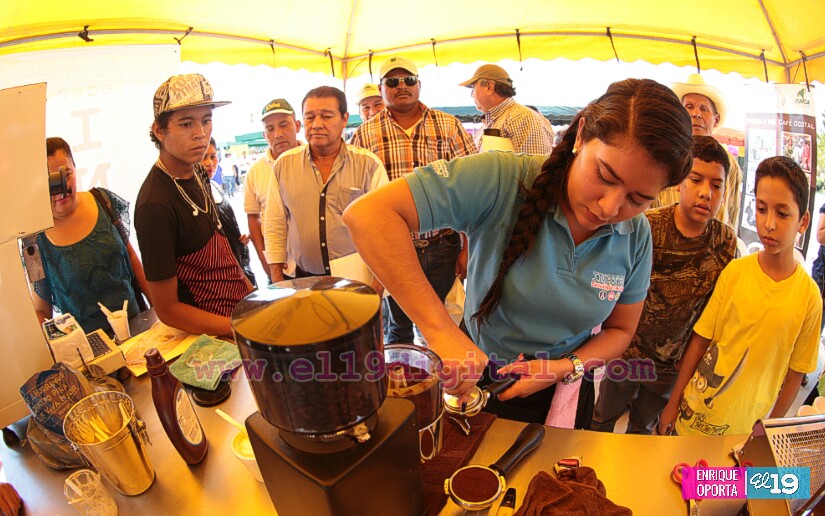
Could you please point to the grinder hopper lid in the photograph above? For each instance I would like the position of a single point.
(305, 311)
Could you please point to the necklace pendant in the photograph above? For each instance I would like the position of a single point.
(195, 213)
(220, 226)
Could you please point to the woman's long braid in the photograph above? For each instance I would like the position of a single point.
(544, 194)
(644, 111)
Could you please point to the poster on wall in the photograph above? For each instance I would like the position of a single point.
(789, 131)
(99, 99)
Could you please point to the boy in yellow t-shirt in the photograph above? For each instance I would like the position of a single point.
(759, 333)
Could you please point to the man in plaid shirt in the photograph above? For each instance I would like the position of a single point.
(493, 92)
(405, 135)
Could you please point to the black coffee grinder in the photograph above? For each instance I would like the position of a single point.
(326, 437)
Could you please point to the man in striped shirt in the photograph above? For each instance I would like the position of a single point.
(311, 187)
(405, 135)
(194, 279)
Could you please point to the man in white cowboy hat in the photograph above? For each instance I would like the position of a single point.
(369, 101)
(493, 92)
(194, 279)
(281, 134)
(707, 108)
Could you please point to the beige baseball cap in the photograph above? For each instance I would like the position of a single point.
(397, 62)
(490, 72)
(369, 90)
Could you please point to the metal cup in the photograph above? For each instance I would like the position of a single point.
(107, 432)
(413, 372)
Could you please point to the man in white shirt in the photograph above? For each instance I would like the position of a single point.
(281, 133)
(230, 172)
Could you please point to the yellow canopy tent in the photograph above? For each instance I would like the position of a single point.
(319, 35)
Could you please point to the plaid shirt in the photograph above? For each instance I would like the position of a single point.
(728, 210)
(529, 131)
(437, 136)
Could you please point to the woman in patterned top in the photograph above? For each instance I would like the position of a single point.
(86, 257)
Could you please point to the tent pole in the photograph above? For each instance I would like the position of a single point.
(357, 58)
(349, 37)
(174, 33)
(776, 39)
(662, 39)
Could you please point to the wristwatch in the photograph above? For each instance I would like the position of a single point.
(578, 368)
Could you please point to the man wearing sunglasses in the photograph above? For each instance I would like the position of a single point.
(405, 135)
(493, 92)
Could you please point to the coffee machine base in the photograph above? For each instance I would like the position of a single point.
(379, 476)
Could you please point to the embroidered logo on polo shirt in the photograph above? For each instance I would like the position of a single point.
(610, 286)
(440, 168)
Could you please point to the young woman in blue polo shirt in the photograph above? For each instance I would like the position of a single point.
(558, 245)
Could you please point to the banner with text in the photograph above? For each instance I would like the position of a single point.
(99, 99)
(788, 131)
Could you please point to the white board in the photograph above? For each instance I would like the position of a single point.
(23, 171)
(25, 210)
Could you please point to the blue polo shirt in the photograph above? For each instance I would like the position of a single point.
(553, 297)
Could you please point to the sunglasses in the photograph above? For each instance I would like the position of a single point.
(393, 82)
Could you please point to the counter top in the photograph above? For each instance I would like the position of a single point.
(220, 484)
(634, 469)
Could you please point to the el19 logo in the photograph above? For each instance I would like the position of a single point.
(765, 483)
(770, 481)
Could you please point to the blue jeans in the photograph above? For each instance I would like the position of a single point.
(438, 261)
(229, 185)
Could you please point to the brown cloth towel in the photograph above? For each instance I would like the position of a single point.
(456, 450)
(578, 491)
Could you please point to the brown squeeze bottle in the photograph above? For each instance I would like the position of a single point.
(175, 410)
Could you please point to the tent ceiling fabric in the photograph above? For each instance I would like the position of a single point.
(730, 34)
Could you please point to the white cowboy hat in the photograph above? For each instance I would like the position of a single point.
(696, 84)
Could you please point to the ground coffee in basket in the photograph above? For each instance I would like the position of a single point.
(475, 484)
